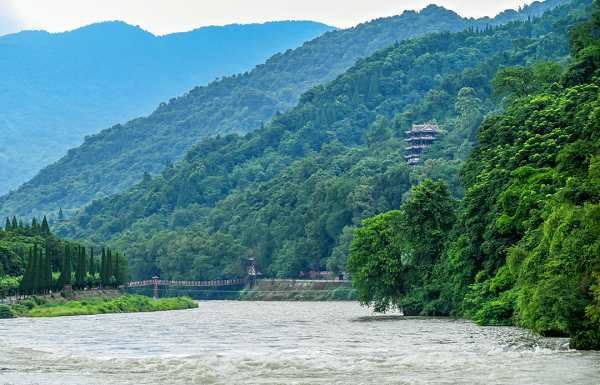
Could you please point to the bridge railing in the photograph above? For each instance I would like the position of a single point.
(223, 282)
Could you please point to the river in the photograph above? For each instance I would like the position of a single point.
(230, 342)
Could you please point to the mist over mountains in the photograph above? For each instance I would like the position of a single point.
(59, 87)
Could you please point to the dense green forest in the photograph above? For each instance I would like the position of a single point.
(522, 247)
(35, 261)
(60, 87)
(116, 158)
(292, 192)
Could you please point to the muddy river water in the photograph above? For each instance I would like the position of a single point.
(231, 342)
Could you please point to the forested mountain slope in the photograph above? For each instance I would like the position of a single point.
(59, 87)
(292, 192)
(523, 246)
(114, 159)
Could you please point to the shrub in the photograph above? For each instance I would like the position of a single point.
(6, 312)
(39, 300)
(499, 312)
(28, 303)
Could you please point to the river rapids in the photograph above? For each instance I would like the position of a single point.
(230, 342)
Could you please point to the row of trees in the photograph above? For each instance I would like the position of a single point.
(38, 279)
(38, 274)
(36, 228)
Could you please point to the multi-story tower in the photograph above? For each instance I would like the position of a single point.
(420, 137)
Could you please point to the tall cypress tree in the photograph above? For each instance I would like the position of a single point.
(69, 260)
(33, 278)
(78, 268)
(109, 272)
(117, 275)
(24, 285)
(356, 99)
(83, 269)
(41, 275)
(65, 274)
(92, 267)
(45, 229)
(103, 268)
(15, 224)
(7, 226)
(77, 260)
(48, 268)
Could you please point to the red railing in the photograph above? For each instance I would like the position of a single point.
(223, 282)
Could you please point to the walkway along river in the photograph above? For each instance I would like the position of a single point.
(234, 342)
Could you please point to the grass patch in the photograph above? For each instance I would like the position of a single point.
(103, 305)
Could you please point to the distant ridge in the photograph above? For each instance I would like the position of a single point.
(116, 158)
(59, 87)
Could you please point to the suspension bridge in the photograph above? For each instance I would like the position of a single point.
(155, 281)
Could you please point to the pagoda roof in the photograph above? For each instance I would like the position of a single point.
(424, 128)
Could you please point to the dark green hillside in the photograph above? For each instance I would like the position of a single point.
(292, 192)
(116, 158)
(523, 246)
(59, 87)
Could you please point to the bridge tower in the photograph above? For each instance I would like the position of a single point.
(155, 287)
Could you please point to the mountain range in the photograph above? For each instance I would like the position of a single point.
(56, 88)
(114, 159)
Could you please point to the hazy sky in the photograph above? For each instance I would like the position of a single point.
(167, 16)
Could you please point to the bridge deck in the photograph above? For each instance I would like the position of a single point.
(225, 282)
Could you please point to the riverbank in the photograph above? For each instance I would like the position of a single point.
(299, 290)
(41, 307)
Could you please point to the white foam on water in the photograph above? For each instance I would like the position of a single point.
(282, 343)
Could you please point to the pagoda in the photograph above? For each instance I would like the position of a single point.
(420, 137)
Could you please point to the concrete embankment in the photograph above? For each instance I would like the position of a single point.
(78, 295)
(299, 290)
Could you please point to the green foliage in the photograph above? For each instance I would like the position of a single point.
(12, 263)
(6, 312)
(92, 270)
(9, 286)
(376, 261)
(518, 82)
(496, 313)
(524, 249)
(428, 219)
(284, 192)
(532, 202)
(102, 305)
(393, 255)
(117, 157)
